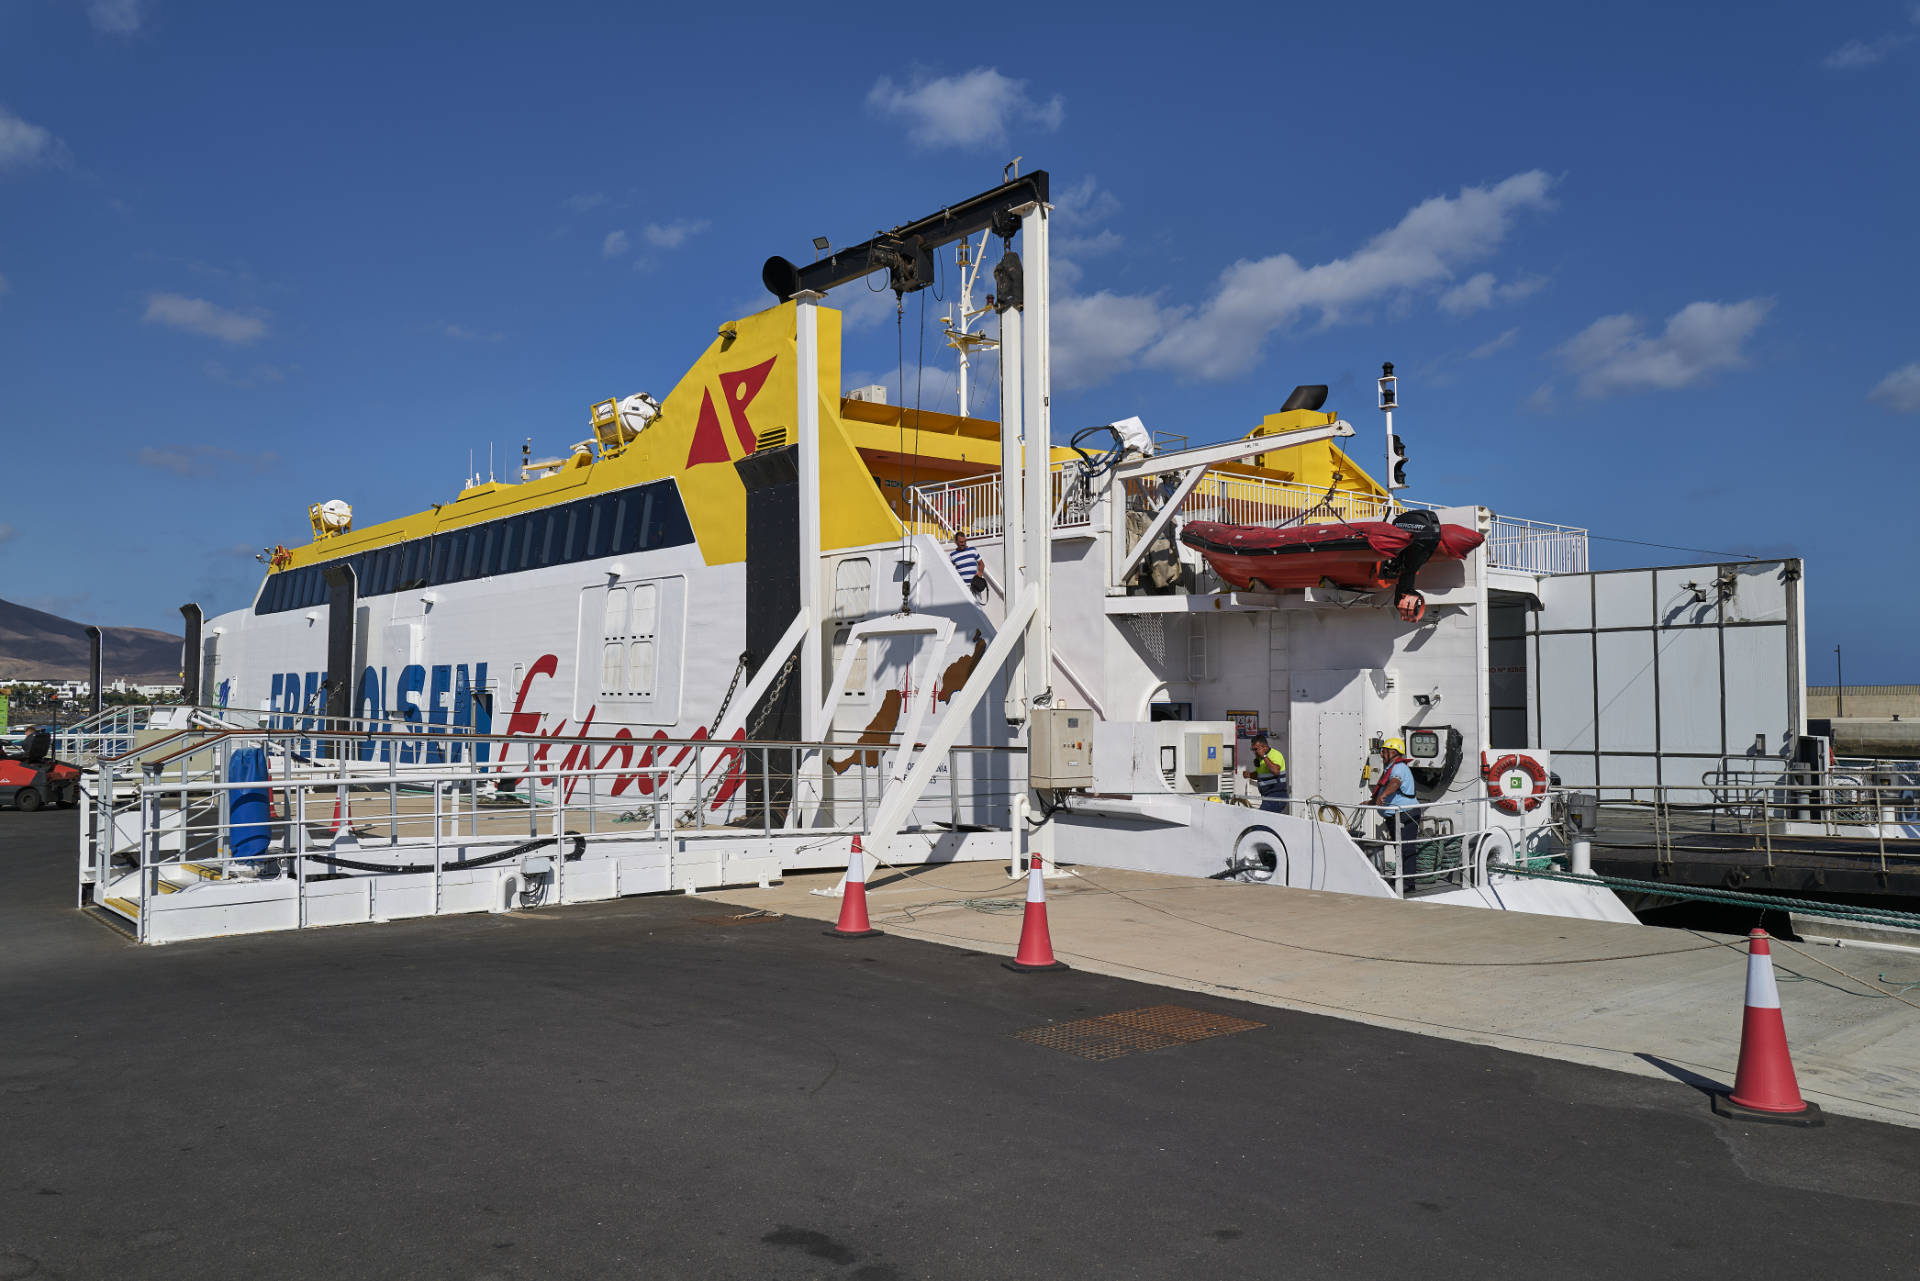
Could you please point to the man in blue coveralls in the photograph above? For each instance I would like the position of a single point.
(1395, 795)
(1269, 774)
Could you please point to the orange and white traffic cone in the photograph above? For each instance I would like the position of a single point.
(1036, 944)
(853, 900)
(1764, 1088)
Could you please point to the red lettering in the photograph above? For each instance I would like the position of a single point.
(623, 744)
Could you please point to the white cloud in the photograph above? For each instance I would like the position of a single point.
(673, 234)
(1225, 335)
(1084, 204)
(863, 308)
(614, 245)
(1491, 346)
(973, 109)
(1101, 335)
(23, 144)
(1105, 241)
(115, 17)
(462, 334)
(197, 315)
(1472, 294)
(7, 532)
(1482, 290)
(1702, 338)
(1541, 401)
(201, 460)
(1856, 54)
(1899, 390)
(586, 201)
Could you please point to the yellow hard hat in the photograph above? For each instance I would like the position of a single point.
(1396, 745)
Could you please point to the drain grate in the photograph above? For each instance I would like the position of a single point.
(1155, 1027)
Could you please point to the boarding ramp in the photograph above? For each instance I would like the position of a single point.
(210, 831)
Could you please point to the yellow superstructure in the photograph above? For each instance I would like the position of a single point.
(739, 397)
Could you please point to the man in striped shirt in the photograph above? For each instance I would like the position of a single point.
(967, 562)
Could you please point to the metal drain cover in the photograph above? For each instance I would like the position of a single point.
(1154, 1027)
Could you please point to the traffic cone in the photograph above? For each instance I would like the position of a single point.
(1036, 944)
(853, 900)
(1764, 1088)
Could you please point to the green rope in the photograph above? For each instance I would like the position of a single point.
(1811, 907)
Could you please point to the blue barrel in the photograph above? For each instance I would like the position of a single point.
(248, 807)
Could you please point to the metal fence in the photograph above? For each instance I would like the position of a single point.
(1536, 547)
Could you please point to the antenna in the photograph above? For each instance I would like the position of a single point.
(959, 335)
(489, 462)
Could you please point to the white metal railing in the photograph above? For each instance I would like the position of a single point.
(973, 505)
(1536, 547)
(159, 829)
(1252, 500)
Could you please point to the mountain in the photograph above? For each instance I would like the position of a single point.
(39, 646)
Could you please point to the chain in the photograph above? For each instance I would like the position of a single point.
(746, 656)
(773, 695)
(691, 814)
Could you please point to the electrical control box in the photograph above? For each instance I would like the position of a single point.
(1061, 751)
(1204, 756)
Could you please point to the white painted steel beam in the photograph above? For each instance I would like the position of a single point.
(806, 345)
(1013, 547)
(1228, 451)
(899, 801)
(1160, 521)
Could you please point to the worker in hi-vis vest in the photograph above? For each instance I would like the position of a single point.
(1269, 774)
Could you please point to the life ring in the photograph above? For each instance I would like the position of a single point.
(1515, 783)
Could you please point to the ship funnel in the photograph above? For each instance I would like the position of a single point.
(1309, 396)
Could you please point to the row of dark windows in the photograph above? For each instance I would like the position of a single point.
(630, 520)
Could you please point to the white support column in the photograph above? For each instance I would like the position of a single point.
(1036, 382)
(1037, 421)
(806, 346)
(1012, 496)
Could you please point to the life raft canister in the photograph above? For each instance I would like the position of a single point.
(1515, 782)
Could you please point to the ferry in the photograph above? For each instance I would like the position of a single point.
(731, 613)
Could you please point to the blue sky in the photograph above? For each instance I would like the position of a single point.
(1645, 269)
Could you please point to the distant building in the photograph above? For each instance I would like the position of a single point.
(1874, 702)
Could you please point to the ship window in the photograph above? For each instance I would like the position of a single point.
(620, 531)
(642, 513)
(616, 622)
(597, 528)
(546, 522)
(413, 574)
(443, 551)
(501, 561)
(852, 587)
(646, 609)
(570, 546)
(476, 553)
(667, 519)
(640, 668)
(612, 679)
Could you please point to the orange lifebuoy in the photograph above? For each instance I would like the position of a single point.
(1522, 797)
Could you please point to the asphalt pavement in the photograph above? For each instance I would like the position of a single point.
(654, 1088)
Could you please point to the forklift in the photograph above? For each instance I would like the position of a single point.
(30, 778)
